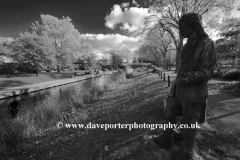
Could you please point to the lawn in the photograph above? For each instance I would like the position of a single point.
(15, 80)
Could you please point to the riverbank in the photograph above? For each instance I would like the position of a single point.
(16, 80)
(46, 82)
(140, 100)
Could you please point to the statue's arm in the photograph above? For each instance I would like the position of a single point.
(205, 66)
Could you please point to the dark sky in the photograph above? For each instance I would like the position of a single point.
(87, 15)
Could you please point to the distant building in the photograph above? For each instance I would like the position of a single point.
(80, 64)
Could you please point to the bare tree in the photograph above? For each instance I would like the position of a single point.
(160, 40)
(136, 55)
(167, 13)
(126, 54)
(148, 53)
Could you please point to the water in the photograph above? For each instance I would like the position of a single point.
(64, 92)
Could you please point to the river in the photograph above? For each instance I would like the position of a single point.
(64, 92)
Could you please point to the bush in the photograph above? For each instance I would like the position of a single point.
(215, 74)
(232, 86)
(232, 74)
(8, 68)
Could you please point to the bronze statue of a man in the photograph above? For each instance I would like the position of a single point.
(189, 90)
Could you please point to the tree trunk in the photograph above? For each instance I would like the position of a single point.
(58, 68)
(164, 62)
(178, 54)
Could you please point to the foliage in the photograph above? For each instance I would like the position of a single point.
(160, 41)
(5, 49)
(116, 59)
(231, 87)
(126, 54)
(136, 55)
(8, 68)
(233, 74)
(148, 54)
(61, 34)
(49, 42)
(39, 118)
(86, 54)
(167, 13)
(32, 49)
(228, 46)
(105, 59)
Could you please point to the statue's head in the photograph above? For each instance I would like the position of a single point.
(189, 23)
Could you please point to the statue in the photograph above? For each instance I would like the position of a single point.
(189, 90)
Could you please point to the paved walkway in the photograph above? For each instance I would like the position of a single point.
(14, 91)
(225, 107)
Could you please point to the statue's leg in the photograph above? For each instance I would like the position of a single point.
(172, 109)
(177, 136)
(190, 117)
(203, 112)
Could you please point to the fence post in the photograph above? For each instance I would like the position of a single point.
(168, 81)
(164, 79)
(161, 74)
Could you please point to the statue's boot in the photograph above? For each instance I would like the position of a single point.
(177, 138)
(172, 109)
(164, 140)
(185, 152)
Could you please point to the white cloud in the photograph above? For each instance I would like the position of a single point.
(6, 39)
(130, 19)
(99, 55)
(106, 43)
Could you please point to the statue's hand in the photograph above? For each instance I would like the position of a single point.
(184, 79)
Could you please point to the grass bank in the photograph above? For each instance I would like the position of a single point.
(41, 117)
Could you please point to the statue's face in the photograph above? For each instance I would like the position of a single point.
(184, 29)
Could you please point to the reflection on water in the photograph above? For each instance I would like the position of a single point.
(13, 104)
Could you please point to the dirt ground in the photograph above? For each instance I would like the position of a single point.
(140, 100)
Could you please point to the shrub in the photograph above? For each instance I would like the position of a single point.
(215, 74)
(10, 132)
(232, 74)
(232, 86)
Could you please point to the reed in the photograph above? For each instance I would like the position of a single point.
(39, 117)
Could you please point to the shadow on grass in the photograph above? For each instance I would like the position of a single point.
(14, 75)
(11, 83)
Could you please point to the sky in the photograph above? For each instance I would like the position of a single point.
(103, 23)
(106, 24)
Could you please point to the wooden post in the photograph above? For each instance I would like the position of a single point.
(168, 81)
